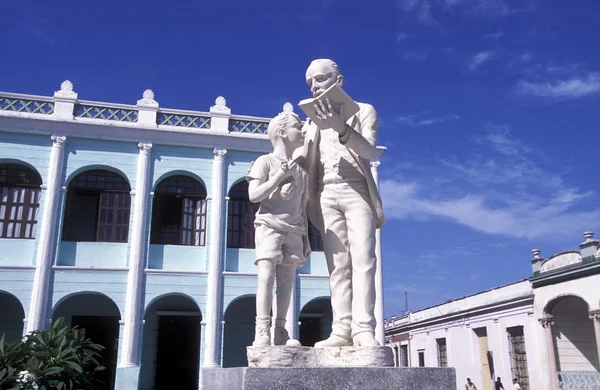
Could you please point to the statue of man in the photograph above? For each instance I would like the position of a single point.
(345, 206)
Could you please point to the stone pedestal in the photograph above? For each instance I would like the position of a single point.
(303, 357)
(329, 378)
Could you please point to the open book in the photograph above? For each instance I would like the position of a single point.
(338, 98)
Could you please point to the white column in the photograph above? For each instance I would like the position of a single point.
(290, 319)
(595, 317)
(215, 262)
(547, 323)
(379, 327)
(133, 299)
(43, 262)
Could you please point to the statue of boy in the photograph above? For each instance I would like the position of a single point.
(282, 246)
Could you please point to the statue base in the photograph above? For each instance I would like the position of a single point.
(328, 378)
(302, 357)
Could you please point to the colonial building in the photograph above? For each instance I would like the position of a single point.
(544, 331)
(133, 222)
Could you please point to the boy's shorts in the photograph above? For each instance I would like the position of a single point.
(279, 247)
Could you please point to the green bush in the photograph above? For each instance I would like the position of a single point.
(56, 358)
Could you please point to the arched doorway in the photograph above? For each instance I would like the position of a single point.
(315, 321)
(171, 344)
(11, 318)
(99, 316)
(240, 317)
(573, 334)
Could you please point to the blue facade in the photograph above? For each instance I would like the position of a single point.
(89, 278)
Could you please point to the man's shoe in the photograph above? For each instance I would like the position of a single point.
(262, 336)
(334, 341)
(365, 339)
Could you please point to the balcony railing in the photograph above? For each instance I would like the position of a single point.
(65, 105)
(579, 380)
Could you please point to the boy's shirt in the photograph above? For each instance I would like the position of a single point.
(275, 212)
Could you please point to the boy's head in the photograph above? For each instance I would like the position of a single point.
(286, 128)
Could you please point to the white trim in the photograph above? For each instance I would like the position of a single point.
(164, 271)
(16, 266)
(75, 268)
(309, 276)
(178, 313)
(231, 273)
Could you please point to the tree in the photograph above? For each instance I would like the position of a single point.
(57, 358)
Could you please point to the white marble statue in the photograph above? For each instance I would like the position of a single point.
(282, 246)
(345, 206)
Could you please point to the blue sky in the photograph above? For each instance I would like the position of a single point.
(490, 109)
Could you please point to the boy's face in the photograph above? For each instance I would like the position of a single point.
(293, 133)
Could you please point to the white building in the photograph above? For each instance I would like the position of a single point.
(544, 331)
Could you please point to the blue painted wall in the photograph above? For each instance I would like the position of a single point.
(87, 269)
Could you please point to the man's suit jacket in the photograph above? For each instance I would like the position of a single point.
(361, 143)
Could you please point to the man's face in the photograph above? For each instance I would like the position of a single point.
(294, 133)
(319, 77)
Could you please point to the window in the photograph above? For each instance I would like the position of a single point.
(179, 212)
(442, 352)
(314, 236)
(97, 208)
(240, 217)
(404, 355)
(19, 201)
(518, 355)
(421, 357)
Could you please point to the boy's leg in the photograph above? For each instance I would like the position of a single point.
(264, 302)
(293, 254)
(268, 254)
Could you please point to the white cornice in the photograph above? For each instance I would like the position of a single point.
(129, 132)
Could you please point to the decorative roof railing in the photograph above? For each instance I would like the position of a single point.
(248, 126)
(65, 105)
(26, 104)
(109, 112)
(180, 118)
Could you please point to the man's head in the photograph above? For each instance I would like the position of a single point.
(322, 74)
(287, 128)
(515, 380)
(469, 381)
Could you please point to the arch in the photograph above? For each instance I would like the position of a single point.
(12, 316)
(171, 343)
(97, 207)
(99, 315)
(573, 334)
(238, 332)
(315, 319)
(178, 172)
(24, 163)
(20, 192)
(551, 302)
(179, 212)
(170, 294)
(236, 182)
(96, 167)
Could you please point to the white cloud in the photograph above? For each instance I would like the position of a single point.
(503, 190)
(572, 88)
(414, 56)
(490, 8)
(420, 120)
(480, 58)
(402, 36)
(495, 35)
(421, 9)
